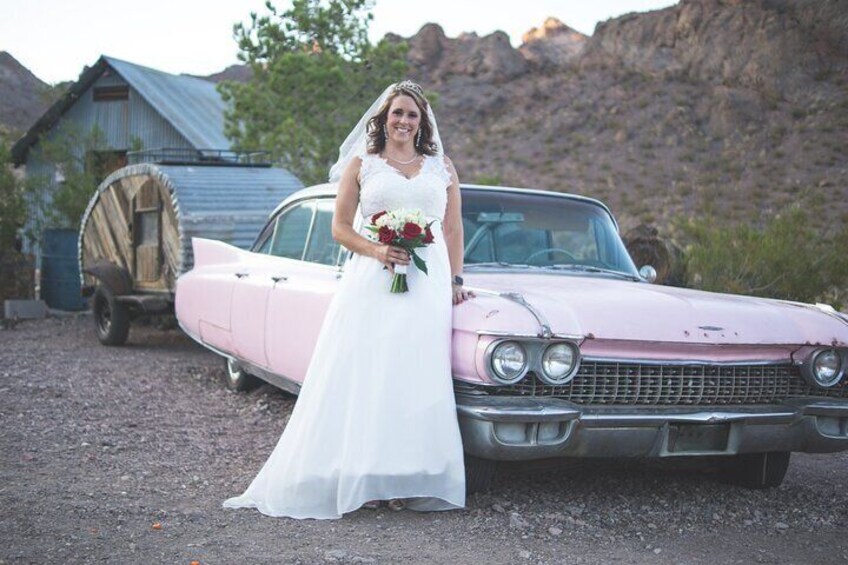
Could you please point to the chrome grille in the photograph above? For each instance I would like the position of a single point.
(656, 384)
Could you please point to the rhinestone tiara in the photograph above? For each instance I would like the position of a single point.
(409, 85)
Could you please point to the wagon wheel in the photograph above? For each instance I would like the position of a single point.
(756, 470)
(111, 318)
(238, 379)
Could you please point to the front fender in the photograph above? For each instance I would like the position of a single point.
(115, 278)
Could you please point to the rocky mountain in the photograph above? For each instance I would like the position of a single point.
(238, 73)
(721, 106)
(23, 97)
(725, 107)
(554, 44)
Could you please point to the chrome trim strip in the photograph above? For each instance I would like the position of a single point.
(627, 420)
(543, 323)
(515, 409)
(278, 381)
(517, 415)
(510, 409)
(571, 337)
(823, 409)
(545, 327)
(629, 361)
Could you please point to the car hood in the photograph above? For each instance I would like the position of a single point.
(602, 308)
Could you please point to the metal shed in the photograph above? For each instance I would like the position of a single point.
(131, 106)
(135, 235)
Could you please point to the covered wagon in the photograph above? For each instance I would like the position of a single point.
(135, 235)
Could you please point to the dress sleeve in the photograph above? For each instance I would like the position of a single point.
(441, 170)
(367, 167)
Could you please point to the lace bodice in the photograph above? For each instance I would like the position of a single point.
(384, 188)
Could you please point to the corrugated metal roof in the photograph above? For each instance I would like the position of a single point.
(230, 204)
(192, 105)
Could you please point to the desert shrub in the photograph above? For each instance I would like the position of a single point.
(12, 211)
(489, 179)
(791, 256)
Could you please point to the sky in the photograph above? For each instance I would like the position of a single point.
(55, 39)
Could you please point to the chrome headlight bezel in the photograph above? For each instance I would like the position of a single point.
(565, 377)
(811, 375)
(492, 361)
(535, 349)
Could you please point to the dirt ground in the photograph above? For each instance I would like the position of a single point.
(124, 455)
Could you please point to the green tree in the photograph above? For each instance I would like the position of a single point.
(81, 160)
(12, 207)
(790, 257)
(313, 74)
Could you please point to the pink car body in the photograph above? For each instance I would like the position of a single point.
(655, 371)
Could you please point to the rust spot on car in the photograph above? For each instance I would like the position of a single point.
(686, 333)
(590, 336)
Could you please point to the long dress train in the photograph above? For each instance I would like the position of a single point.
(376, 416)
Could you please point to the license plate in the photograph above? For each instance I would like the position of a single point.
(698, 437)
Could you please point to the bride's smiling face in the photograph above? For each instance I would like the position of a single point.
(403, 119)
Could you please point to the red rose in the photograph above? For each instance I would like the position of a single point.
(377, 215)
(411, 230)
(428, 235)
(386, 234)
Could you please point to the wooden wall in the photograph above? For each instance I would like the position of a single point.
(109, 233)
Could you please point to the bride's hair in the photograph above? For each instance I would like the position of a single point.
(376, 133)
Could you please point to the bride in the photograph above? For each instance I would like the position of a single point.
(376, 416)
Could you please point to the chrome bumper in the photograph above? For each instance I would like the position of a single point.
(515, 428)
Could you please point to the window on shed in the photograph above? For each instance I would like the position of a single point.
(291, 231)
(111, 93)
(321, 247)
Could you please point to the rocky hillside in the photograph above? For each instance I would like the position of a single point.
(23, 97)
(721, 106)
(726, 107)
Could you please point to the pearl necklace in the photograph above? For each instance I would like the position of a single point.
(403, 162)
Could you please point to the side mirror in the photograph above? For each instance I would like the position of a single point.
(648, 273)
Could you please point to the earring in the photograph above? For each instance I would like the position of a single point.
(418, 138)
(385, 132)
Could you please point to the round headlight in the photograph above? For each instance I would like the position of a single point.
(508, 361)
(827, 368)
(558, 363)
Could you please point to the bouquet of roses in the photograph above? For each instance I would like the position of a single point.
(402, 228)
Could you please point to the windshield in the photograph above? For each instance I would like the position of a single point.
(503, 228)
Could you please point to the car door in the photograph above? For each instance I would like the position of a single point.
(258, 274)
(299, 300)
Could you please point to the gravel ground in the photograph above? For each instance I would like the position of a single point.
(125, 455)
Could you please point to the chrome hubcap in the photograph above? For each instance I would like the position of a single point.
(233, 370)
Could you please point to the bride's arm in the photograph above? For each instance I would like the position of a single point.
(347, 200)
(454, 236)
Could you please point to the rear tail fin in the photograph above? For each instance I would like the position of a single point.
(213, 252)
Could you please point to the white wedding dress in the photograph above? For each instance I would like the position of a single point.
(376, 417)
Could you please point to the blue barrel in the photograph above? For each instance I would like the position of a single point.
(60, 276)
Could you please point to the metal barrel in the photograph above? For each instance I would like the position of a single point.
(60, 276)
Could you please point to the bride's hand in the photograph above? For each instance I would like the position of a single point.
(389, 255)
(460, 295)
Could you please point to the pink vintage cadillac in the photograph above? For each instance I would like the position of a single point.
(567, 350)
